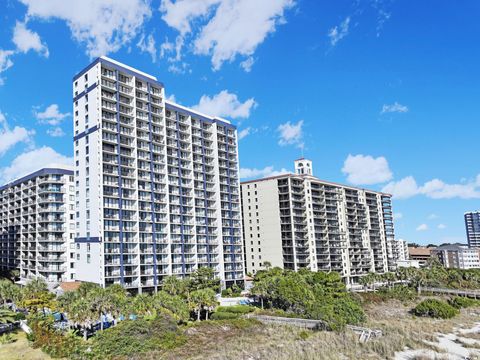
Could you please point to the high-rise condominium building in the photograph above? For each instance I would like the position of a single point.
(37, 225)
(472, 225)
(157, 183)
(298, 221)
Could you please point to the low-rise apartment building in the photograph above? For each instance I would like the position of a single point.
(457, 256)
(397, 251)
(297, 221)
(37, 226)
(421, 254)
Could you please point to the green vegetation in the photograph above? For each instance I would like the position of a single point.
(313, 295)
(231, 312)
(234, 291)
(459, 302)
(137, 337)
(435, 308)
(434, 275)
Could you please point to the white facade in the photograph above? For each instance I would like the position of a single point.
(298, 221)
(457, 256)
(397, 250)
(157, 183)
(37, 226)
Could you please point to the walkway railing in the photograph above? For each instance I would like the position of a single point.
(467, 293)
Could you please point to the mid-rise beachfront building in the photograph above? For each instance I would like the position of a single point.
(37, 226)
(157, 186)
(397, 250)
(472, 225)
(457, 256)
(298, 221)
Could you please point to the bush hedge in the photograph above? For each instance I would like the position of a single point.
(219, 315)
(436, 309)
(459, 302)
(236, 309)
(133, 337)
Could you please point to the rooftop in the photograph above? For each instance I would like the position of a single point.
(290, 175)
(420, 251)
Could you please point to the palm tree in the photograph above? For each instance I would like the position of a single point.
(142, 305)
(9, 292)
(80, 313)
(175, 286)
(35, 286)
(202, 299)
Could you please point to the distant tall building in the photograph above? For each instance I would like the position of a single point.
(297, 221)
(157, 183)
(37, 226)
(472, 225)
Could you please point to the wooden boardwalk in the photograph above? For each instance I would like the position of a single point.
(465, 293)
(364, 334)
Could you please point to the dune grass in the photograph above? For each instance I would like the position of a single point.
(21, 350)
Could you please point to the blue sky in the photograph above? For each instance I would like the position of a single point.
(379, 94)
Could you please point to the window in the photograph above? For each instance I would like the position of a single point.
(78, 257)
(88, 258)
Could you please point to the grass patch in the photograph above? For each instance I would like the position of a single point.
(21, 350)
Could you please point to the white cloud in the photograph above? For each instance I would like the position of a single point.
(226, 28)
(225, 104)
(442, 226)
(244, 133)
(337, 33)
(238, 27)
(422, 227)
(148, 45)
(51, 115)
(5, 62)
(434, 189)
(246, 173)
(291, 134)
(432, 216)
(247, 64)
(402, 189)
(398, 216)
(31, 161)
(11, 137)
(171, 98)
(56, 132)
(181, 13)
(103, 26)
(394, 108)
(26, 40)
(366, 170)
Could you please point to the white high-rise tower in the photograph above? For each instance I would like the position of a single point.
(157, 183)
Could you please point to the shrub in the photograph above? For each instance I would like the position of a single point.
(52, 341)
(459, 302)
(237, 309)
(435, 308)
(6, 339)
(133, 337)
(19, 316)
(219, 315)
